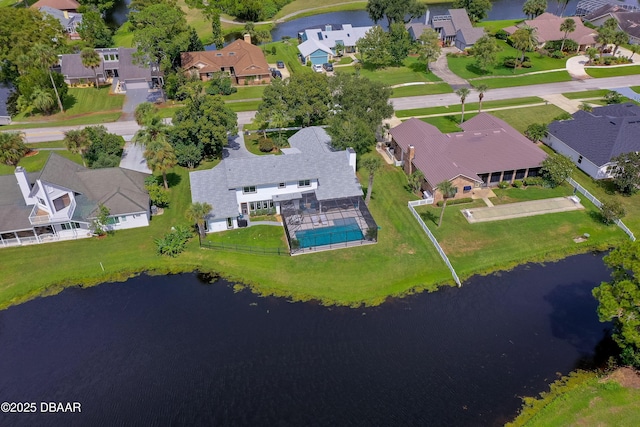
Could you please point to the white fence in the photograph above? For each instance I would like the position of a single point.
(598, 203)
(432, 237)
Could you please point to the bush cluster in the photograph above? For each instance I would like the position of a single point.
(173, 242)
(265, 145)
(517, 183)
(533, 180)
(503, 184)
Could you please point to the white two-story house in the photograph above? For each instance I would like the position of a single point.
(61, 201)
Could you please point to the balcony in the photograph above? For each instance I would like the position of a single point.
(41, 217)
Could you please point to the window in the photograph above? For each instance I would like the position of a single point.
(66, 226)
(123, 218)
(282, 185)
(249, 190)
(41, 201)
(113, 220)
(580, 159)
(304, 183)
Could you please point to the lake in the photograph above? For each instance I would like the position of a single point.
(175, 350)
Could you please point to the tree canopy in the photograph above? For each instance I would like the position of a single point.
(619, 300)
(428, 46)
(476, 9)
(12, 148)
(626, 175)
(534, 8)
(485, 52)
(374, 47)
(556, 168)
(395, 10)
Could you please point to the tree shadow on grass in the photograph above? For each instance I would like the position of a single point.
(173, 179)
(429, 216)
(473, 68)
(418, 67)
(69, 101)
(608, 186)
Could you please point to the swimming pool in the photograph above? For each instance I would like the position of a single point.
(345, 230)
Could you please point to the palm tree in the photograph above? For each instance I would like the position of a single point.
(145, 113)
(154, 130)
(91, 59)
(481, 89)
(371, 165)
(415, 181)
(568, 26)
(463, 92)
(619, 37)
(77, 142)
(160, 157)
(634, 48)
(448, 190)
(197, 213)
(42, 100)
(12, 148)
(524, 40)
(44, 56)
(592, 53)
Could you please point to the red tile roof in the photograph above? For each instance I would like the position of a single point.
(245, 58)
(70, 5)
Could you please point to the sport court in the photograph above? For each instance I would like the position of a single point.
(522, 209)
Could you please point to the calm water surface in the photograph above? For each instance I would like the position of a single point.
(171, 350)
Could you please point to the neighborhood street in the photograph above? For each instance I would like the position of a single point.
(129, 128)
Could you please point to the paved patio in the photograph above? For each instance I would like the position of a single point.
(522, 209)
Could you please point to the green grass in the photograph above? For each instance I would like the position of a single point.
(583, 399)
(417, 90)
(635, 89)
(82, 106)
(36, 163)
(411, 71)
(287, 51)
(493, 26)
(552, 77)
(244, 106)
(596, 93)
(123, 36)
(613, 71)
(485, 246)
(48, 144)
(263, 236)
(447, 124)
(469, 106)
(345, 60)
(246, 92)
(521, 118)
(465, 67)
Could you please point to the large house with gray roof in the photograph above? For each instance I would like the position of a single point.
(318, 46)
(487, 152)
(593, 139)
(628, 20)
(116, 64)
(70, 21)
(311, 185)
(61, 201)
(453, 29)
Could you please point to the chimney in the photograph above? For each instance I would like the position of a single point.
(247, 38)
(351, 155)
(23, 183)
(427, 16)
(411, 155)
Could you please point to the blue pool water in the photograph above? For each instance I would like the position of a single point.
(345, 230)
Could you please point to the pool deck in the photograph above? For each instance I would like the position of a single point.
(522, 209)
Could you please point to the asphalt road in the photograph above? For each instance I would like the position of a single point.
(129, 128)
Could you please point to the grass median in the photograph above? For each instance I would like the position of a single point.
(613, 71)
(469, 106)
(532, 79)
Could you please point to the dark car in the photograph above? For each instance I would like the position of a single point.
(327, 66)
(280, 64)
(276, 74)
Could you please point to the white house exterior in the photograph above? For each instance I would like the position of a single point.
(62, 200)
(319, 46)
(453, 29)
(240, 188)
(593, 139)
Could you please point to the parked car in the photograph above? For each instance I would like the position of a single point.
(317, 68)
(327, 66)
(276, 74)
(280, 64)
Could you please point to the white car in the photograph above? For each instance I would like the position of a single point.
(317, 68)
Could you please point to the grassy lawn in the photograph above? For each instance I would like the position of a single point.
(585, 399)
(597, 93)
(447, 124)
(613, 71)
(523, 194)
(286, 51)
(552, 77)
(417, 90)
(464, 66)
(411, 71)
(246, 92)
(123, 36)
(493, 26)
(82, 106)
(469, 106)
(244, 105)
(635, 89)
(36, 163)
(485, 246)
(520, 118)
(345, 60)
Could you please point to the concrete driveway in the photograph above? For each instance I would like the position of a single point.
(235, 148)
(133, 158)
(575, 67)
(137, 94)
(441, 69)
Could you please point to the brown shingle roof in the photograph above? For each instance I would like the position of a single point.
(245, 58)
(70, 5)
(547, 28)
(487, 144)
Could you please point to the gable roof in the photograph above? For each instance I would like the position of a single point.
(547, 28)
(604, 133)
(308, 47)
(71, 65)
(348, 35)
(66, 19)
(70, 5)
(14, 213)
(312, 159)
(120, 190)
(245, 58)
(486, 145)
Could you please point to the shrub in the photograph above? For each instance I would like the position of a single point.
(509, 62)
(517, 183)
(266, 145)
(503, 184)
(456, 201)
(533, 180)
(612, 97)
(564, 116)
(556, 54)
(607, 61)
(273, 50)
(611, 211)
(158, 195)
(526, 64)
(502, 35)
(173, 243)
